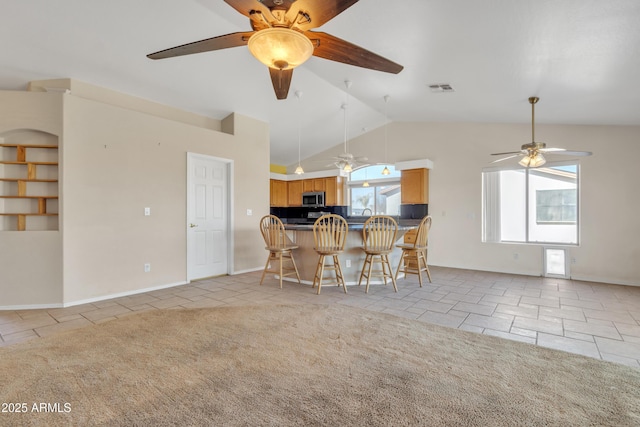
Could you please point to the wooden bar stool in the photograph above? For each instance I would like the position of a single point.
(279, 248)
(379, 235)
(414, 255)
(329, 237)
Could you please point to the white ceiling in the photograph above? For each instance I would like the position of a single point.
(581, 57)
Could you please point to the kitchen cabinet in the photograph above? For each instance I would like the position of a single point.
(289, 193)
(415, 186)
(295, 193)
(315, 184)
(334, 191)
(279, 193)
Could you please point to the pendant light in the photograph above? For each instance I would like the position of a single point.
(366, 181)
(347, 165)
(299, 170)
(386, 170)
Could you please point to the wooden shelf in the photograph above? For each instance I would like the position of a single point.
(27, 180)
(28, 214)
(29, 163)
(32, 167)
(30, 146)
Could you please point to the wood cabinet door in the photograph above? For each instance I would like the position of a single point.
(318, 184)
(415, 186)
(333, 191)
(307, 185)
(295, 193)
(278, 193)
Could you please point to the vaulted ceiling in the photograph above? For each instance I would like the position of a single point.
(581, 57)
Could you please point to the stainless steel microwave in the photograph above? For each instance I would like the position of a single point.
(314, 199)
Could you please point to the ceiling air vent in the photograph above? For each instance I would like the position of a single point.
(441, 87)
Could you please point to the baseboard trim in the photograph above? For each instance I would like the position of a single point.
(123, 294)
(90, 300)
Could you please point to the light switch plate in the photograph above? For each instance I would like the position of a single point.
(147, 211)
(249, 212)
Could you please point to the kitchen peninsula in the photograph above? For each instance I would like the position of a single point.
(291, 200)
(351, 259)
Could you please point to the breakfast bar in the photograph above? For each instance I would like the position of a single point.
(351, 259)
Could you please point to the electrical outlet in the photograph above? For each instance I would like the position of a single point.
(573, 260)
(516, 255)
(147, 211)
(348, 263)
(249, 212)
(147, 268)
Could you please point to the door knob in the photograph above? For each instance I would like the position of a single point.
(192, 225)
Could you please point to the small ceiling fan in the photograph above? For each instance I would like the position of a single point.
(281, 38)
(346, 161)
(533, 152)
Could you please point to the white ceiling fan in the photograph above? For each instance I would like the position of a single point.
(533, 152)
(346, 161)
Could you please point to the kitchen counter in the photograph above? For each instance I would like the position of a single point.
(351, 259)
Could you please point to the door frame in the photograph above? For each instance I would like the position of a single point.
(230, 208)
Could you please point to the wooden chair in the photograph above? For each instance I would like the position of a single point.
(379, 235)
(279, 248)
(329, 236)
(414, 254)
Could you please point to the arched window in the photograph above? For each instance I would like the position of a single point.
(371, 193)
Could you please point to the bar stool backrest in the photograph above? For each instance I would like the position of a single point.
(330, 232)
(273, 232)
(423, 232)
(379, 232)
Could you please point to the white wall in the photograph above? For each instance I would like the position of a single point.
(609, 249)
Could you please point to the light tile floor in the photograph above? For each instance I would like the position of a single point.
(592, 319)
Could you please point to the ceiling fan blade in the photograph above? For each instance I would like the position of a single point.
(207, 45)
(508, 152)
(319, 12)
(506, 158)
(565, 152)
(335, 49)
(246, 6)
(281, 80)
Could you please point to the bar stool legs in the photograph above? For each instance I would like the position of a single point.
(336, 267)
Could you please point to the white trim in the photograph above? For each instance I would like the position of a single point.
(414, 164)
(307, 175)
(248, 270)
(90, 300)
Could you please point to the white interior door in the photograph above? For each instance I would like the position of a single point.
(207, 216)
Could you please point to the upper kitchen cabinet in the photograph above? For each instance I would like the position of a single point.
(334, 191)
(415, 186)
(295, 193)
(289, 193)
(279, 193)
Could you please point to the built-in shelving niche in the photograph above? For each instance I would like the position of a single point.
(28, 181)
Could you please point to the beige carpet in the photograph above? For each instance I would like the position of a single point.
(304, 365)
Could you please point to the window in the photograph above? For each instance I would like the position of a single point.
(536, 205)
(556, 206)
(380, 197)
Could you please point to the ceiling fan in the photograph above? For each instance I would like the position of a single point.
(533, 152)
(281, 38)
(346, 161)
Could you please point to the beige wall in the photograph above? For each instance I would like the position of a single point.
(115, 161)
(609, 249)
(30, 261)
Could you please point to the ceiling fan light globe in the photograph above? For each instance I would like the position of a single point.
(280, 48)
(537, 161)
(347, 168)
